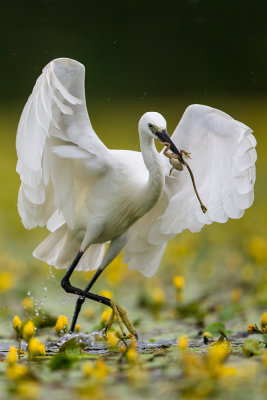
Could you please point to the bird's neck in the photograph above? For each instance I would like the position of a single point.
(152, 160)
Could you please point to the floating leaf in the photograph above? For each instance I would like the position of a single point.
(251, 347)
(72, 348)
(61, 361)
(215, 328)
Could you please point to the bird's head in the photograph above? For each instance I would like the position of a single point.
(154, 125)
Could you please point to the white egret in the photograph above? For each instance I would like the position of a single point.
(88, 195)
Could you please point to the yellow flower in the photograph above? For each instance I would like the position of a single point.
(61, 325)
(182, 342)
(106, 293)
(28, 390)
(106, 315)
(28, 330)
(217, 353)
(193, 364)
(131, 355)
(178, 282)
(87, 368)
(17, 324)
(100, 370)
(7, 281)
(250, 328)
(27, 303)
(16, 371)
(207, 335)
(236, 295)
(158, 296)
(12, 355)
(258, 249)
(113, 339)
(35, 348)
(206, 366)
(89, 312)
(264, 357)
(77, 328)
(228, 371)
(264, 320)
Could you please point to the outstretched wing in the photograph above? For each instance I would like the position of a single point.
(223, 159)
(55, 139)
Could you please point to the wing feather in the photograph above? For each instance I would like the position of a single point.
(223, 162)
(55, 118)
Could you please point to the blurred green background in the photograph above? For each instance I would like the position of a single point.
(138, 48)
(139, 56)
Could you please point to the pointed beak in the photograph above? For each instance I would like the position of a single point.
(164, 137)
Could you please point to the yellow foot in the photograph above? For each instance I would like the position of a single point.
(185, 154)
(122, 317)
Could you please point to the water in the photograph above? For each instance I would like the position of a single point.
(92, 341)
(95, 344)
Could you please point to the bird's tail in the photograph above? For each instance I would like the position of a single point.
(61, 247)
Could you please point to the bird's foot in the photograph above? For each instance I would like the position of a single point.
(123, 320)
(185, 154)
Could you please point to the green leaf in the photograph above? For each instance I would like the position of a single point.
(229, 311)
(72, 348)
(191, 309)
(251, 347)
(215, 328)
(264, 338)
(61, 361)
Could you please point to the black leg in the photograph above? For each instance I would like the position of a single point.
(114, 248)
(72, 289)
(72, 267)
(81, 299)
(65, 283)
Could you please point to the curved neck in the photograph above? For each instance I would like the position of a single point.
(155, 185)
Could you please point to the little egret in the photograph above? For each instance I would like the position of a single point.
(88, 195)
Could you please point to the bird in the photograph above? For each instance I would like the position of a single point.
(88, 195)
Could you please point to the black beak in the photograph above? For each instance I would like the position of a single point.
(164, 137)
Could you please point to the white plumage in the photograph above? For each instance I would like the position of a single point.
(87, 195)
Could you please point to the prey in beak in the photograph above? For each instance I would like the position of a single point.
(176, 159)
(164, 138)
